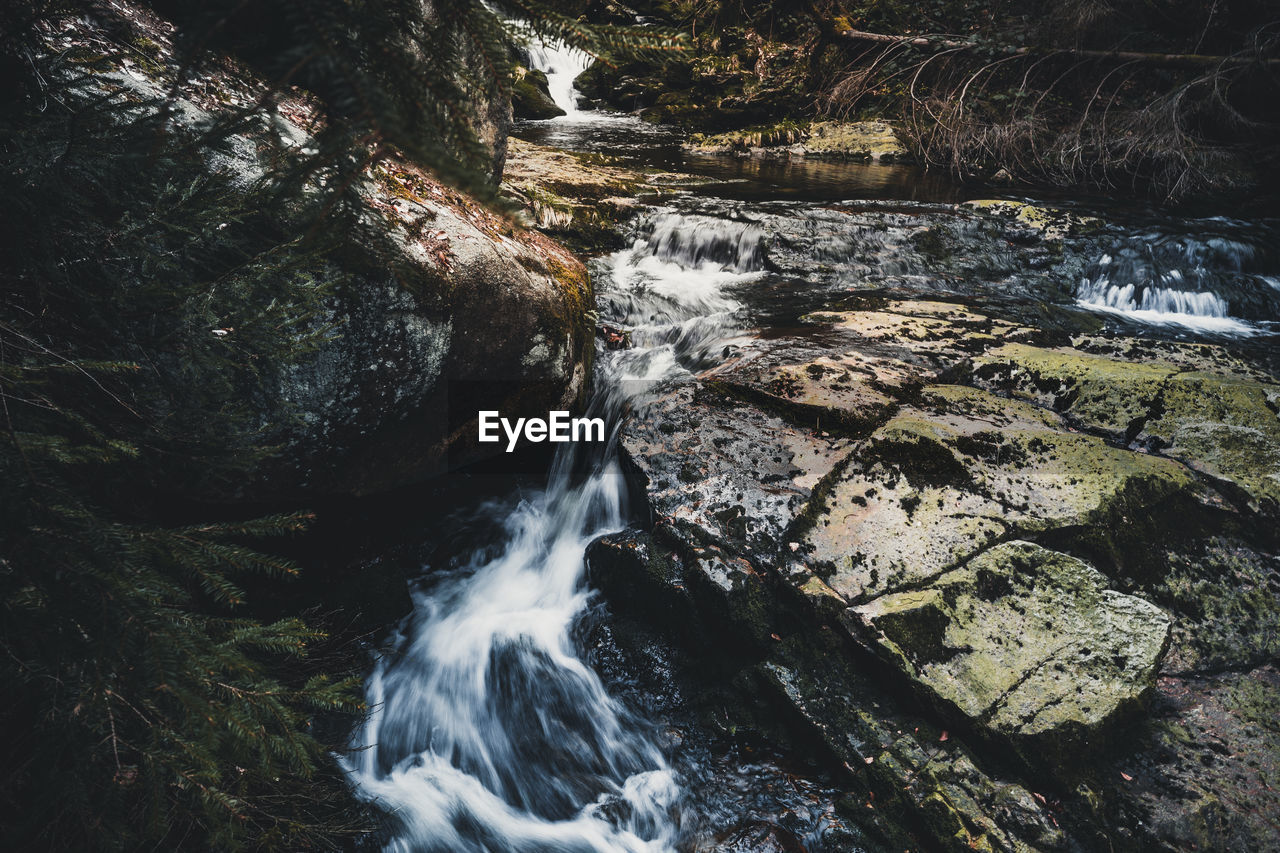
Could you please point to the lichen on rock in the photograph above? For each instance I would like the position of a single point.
(1027, 643)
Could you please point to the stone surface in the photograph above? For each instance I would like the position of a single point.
(848, 507)
(1223, 421)
(874, 141)
(1227, 428)
(699, 456)
(1050, 222)
(1026, 643)
(575, 197)
(936, 485)
(441, 307)
(530, 98)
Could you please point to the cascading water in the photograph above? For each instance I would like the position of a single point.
(488, 731)
(562, 65)
(1205, 283)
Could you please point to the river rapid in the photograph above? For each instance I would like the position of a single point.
(507, 715)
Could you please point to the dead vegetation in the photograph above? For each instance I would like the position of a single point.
(1082, 97)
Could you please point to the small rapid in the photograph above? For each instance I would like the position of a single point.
(1211, 282)
(562, 65)
(488, 731)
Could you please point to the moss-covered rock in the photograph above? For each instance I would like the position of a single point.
(1226, 427)
(530, 98)
(1224, 424)
(440, 306)
(1109, 396)
(873, 141)
(1225, 595)
(576, 197)
(850, 516)
(1026, 643)
(935, 486)
(1050, 222)
(1204, 773)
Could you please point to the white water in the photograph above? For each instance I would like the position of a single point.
(562, 65)
(1194, 309)
(1157, 279)
(488, 731)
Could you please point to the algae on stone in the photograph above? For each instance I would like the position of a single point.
(1025, 642)
(933, 487)
(1227, 428)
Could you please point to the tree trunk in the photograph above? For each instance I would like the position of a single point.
(1169, 60)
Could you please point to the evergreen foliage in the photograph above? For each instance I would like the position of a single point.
(146, 296)
(146, 704)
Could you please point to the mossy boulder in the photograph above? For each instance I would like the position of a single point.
(1026, 643)
(440, 306)
(1227, 428)
(1050, 222)
(530, 97)
(1109, 396)
(858, 140)
(870, 141)
(937, 484)
(1221, 420)
(578, 198)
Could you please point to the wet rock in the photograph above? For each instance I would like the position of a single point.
(1205, 774)
(877, 577)
(939, 483)
(903, 771)
(874, 141)
(1227, 428)
(439, 304)
(1228, 596)
(700, 456)
(1223, 424)
(1112, 397)
(759, 837)
(1026, 643)
(1048, 222)
(530, 98)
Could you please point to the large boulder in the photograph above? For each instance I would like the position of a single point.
(530, 98)
(480, 315)
(1026, 643)
(938, 484)
(438, 306)
(1193, 403)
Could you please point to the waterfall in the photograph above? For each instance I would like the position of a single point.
(1201, 283)
(562, 65)
(488, 731)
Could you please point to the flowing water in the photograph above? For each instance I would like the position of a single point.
(492, 728)
(489, 732)
(562, 64)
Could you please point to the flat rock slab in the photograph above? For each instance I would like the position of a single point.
(940, 483)
(1025, 642)
(1191, 403)
(724, 470)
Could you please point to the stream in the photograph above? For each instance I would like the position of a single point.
(505, 716)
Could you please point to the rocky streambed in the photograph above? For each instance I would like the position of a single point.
(1005, 558)
(923, 524)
